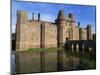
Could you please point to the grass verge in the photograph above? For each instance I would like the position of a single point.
(41, 49)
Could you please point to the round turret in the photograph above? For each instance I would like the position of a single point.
(61, 26)
(61, 15)
(71, 15)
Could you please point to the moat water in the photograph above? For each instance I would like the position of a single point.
(13, 65)
(71, 61)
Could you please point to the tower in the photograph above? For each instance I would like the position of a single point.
(81, 33)
(71, 24)
(21, 21)
(61, 28)
(89, 32)
(78, 24)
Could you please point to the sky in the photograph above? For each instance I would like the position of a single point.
(84, 14)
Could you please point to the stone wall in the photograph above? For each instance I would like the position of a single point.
(30, 35)
(82, 34)
(85, 34)
(50, 35)
(76, 33)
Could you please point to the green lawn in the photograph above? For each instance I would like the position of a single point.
(42, 49)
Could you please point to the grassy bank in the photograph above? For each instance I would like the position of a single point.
(40, 49)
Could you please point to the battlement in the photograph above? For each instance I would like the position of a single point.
(23, 16)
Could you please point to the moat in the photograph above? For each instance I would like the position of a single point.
(52, 61)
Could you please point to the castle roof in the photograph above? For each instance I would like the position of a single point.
(71, 15)
(61, 15)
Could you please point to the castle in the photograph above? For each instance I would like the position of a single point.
(42, 34)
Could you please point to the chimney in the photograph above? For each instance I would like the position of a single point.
(78, 24)
(32, 16)
(38, 16)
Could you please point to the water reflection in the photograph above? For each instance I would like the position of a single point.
(51, 61)
(13, 64)
(86, 60)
